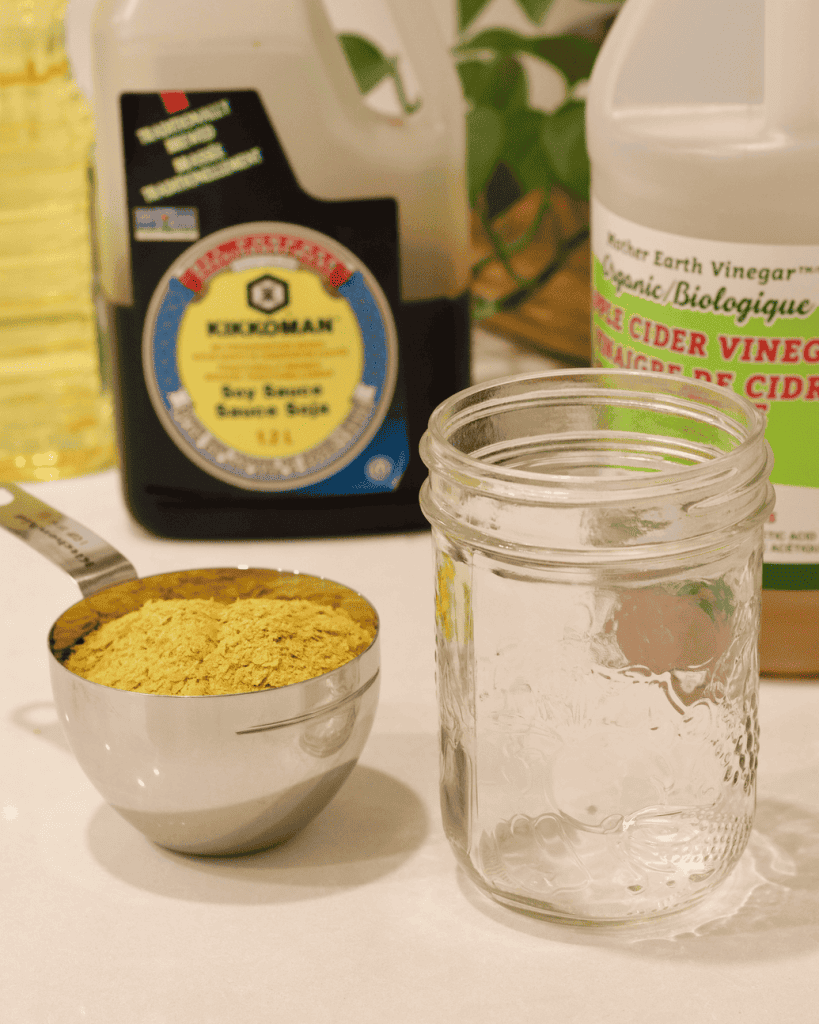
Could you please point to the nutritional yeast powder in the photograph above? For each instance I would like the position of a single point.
(191, 646)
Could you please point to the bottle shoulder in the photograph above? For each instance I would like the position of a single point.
(719, 173)
(705, 132)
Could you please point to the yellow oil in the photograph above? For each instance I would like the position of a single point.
(55, 406)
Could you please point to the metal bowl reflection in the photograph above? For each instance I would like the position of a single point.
(219, 774)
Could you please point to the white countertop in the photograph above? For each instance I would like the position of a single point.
(364, 917)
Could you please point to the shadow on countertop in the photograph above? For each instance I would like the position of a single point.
(371, 827)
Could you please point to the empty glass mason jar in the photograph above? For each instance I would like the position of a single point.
(598, 541)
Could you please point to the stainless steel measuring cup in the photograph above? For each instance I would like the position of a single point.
(219, 774)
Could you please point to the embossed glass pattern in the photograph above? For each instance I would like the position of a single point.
(598, 544)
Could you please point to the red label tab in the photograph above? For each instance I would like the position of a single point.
(174, 101)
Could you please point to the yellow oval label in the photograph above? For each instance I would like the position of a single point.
(271, 358)
(270, 383)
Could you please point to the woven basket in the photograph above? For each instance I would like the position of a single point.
(555, 316)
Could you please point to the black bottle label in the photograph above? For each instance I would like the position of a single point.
(269, 348)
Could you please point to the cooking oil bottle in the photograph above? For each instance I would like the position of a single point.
(55, 414)
(703, 134)
(286, 266)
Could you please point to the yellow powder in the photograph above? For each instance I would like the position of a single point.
(192, 646)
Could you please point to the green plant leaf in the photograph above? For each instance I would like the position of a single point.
(524, 128)
(535, 10)
(572, 56)
(524, 152)
(485, 134)
(500, 83)
(473, 76)
(533, 169)
(367, 62)
(563, 138)
(468, 11)
(370, 67)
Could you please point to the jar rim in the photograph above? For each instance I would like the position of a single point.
(718, 406)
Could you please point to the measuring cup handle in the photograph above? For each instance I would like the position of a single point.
(87, 558)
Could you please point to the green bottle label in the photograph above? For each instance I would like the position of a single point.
(739, 315)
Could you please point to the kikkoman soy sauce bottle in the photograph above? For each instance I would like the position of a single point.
(703, 134)
(286, 267)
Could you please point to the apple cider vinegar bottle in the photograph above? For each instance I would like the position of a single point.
(703, 134)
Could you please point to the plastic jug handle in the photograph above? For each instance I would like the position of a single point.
(416, 24)
(418, 159)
